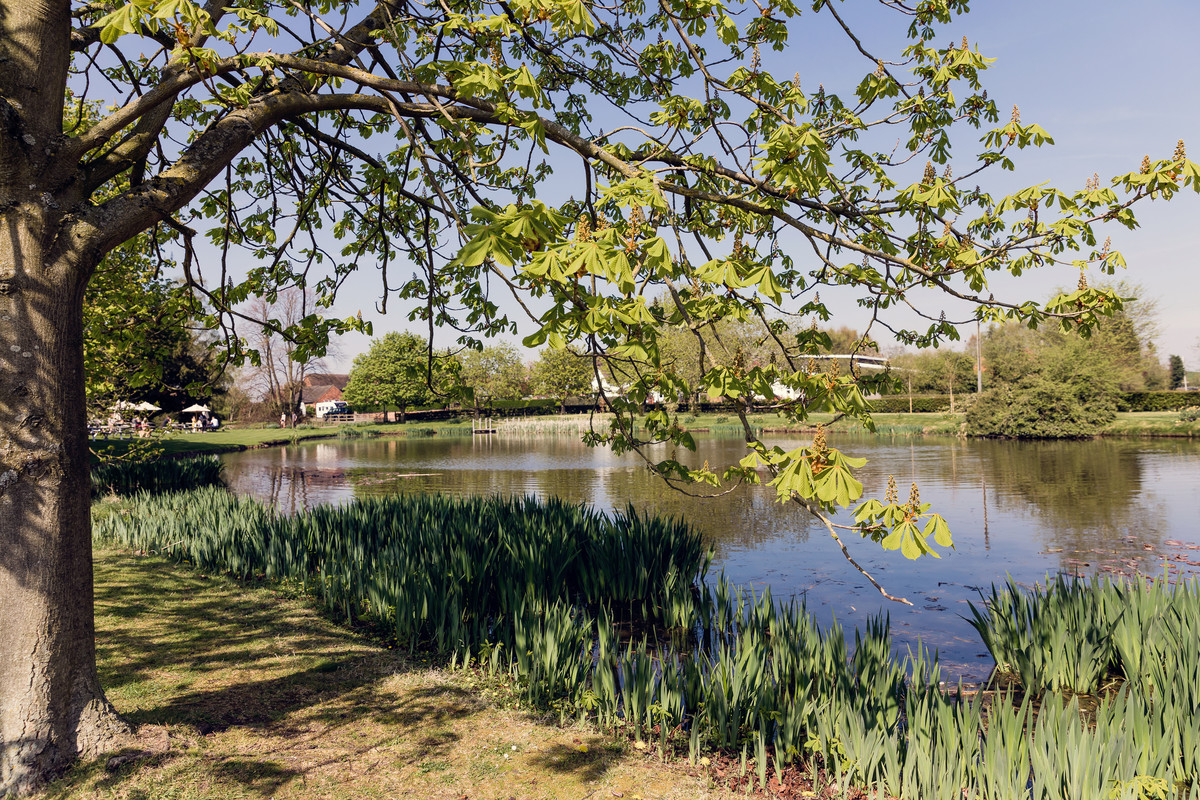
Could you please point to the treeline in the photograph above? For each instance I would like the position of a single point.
(1047, 382)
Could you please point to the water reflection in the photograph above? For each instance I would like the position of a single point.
(1020, 509)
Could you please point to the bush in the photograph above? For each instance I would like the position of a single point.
(1039, 408)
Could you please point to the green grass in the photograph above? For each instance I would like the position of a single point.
(232, 438)
(241, 693)
(1130, 424)
(1151, 423)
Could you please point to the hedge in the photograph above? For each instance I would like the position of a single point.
(1156, 401)
(923, 404)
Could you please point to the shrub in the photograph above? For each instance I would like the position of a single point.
(1039, 408)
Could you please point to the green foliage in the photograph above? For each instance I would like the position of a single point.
(1042, 385)
(494, 373)
(530, 590)
(1155, 401)
(413, 560)
(560, 373)
(394, 372)
(1177, 372)
(920, 405)
(128, 478)
(1039, 407)
(939, 371)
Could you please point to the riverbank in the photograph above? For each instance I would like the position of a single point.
(1146, 424)
(244, 692)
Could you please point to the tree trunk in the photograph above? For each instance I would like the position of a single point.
(52, 709)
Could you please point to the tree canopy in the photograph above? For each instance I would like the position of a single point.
(495, 372)
(561, 373)
(433, 142)
(392, 373)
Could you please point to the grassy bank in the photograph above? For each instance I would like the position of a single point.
(232, 438)
(1152, 423)
(1128, 424)
(245, 693)
(646, 649)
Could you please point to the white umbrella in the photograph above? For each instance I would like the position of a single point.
(146, 406)
(196, 408)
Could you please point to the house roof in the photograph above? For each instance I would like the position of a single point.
(310, 395)
(327, 379)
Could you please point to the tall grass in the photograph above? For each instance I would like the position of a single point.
(128, 478)
(573, 424)
(357, 432)
(577, 605)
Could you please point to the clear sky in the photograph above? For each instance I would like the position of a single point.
(1111, 81)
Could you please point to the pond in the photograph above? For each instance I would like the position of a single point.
(1023, 509)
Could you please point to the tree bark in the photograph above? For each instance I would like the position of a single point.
(52, 709)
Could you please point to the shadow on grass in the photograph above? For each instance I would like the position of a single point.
(185, 656)
(177, 648)
(586, 766)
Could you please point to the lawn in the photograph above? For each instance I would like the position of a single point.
(242, 692)
(238, 438)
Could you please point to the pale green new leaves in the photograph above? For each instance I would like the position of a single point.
(904, 525)
(152, 15)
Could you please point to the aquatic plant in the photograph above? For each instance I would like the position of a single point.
(127, 478)
(571, 602)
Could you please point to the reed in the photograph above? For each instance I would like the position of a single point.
(357, 432)
(128, 478)
(571, 603)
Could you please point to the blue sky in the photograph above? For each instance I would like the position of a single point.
(1111, 82)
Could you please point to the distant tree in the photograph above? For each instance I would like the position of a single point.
(141, 339)
(561, 374)
(494, 373)
(847, 341)
(277, 371)
(1044, 385)
(395, 371)
(940, 371)
(1178, 373)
